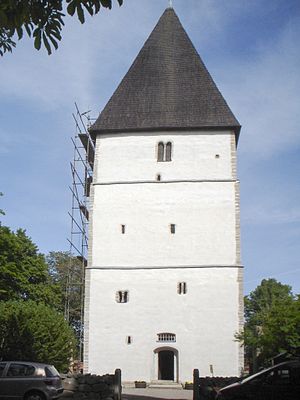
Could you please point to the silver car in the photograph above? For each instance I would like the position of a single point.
(29, 381)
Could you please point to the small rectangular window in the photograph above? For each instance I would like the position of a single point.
(181, 288)
(123, 229)
(166, 337)
(172, 228)
(122, 296)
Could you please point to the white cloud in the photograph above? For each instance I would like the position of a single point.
(86, 54)
(270, 214)
(264, 94)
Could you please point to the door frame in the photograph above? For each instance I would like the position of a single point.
(156, 360)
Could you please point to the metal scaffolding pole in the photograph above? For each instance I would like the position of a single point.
(82, 176)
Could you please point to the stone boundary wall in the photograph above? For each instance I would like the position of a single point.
(92, 387)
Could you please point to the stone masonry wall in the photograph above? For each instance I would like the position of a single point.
(92, 387)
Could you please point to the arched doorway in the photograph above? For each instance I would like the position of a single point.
(166, 364)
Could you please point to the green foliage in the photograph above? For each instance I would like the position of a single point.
(272, 322)
(43, 20)
(281, 330)
(67, 272)
(36, 332)
(267, 294)
(23, 271)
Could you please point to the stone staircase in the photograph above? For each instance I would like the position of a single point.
(164, 385)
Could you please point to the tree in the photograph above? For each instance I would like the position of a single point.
(67, 272)
(43, 20)
(267, 294)
(31, 331)
(23, 271)
(264, 311)
(281, 331)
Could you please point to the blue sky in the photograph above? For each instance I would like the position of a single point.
(251, 49)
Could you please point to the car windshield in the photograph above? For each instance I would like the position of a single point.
(50, 371)
(2, 366)
(257, 375)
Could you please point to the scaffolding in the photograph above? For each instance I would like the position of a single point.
(82, 175)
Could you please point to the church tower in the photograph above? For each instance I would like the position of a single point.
(164, 276)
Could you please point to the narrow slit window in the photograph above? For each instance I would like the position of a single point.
(172, 228)
(158, 177)
(168, 152)
(160, 151)
(123, 229)
(128, 339)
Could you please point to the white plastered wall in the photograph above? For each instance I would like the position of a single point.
(204, 321)
(133, 157)
(197, 192)
(204, 215)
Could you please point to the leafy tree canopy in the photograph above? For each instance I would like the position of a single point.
(272, 321)
(43, 20)
(31, 331)
(23, 271)
(281, 329)
(266, 295)
(67, 272)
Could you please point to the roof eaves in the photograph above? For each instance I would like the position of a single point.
(95, 132)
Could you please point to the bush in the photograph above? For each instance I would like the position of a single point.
(35, 332)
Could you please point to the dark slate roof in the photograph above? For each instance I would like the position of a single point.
(167, 87)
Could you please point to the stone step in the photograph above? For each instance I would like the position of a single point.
(164, 385)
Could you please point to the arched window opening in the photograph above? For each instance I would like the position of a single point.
(164, 151)
(160, 151)
(168, 151)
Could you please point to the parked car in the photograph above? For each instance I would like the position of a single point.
(280, 382)
(29, 381)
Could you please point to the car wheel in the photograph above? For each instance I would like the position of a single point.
(34, 396)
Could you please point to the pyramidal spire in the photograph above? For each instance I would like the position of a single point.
(166, 88)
